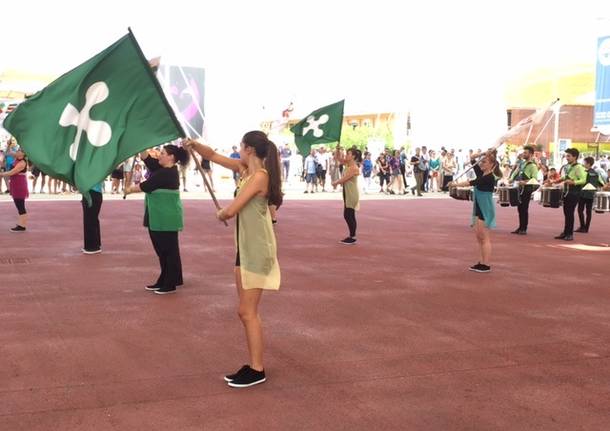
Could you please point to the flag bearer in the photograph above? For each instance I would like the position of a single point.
(18, 187)
(163, 214)
(351, 196)
(256, 265)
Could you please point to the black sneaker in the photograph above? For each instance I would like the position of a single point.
(231, 377)
(247, 378)
(560, 236)
(152, 287)
(17, 228)
(582, 230)
(165, 290)
(479, 267)
(348, 241)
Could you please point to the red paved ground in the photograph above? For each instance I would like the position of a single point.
(393, 333)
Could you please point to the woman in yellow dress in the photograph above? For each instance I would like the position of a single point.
(256, 265)
(351, 195)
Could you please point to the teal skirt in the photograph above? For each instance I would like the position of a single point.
(485, 202)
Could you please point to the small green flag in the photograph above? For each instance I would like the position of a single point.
(94, 117)
(321, 126)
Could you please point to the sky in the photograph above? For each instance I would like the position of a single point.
(446, 62)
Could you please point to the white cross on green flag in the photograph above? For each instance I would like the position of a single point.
(94, 117)
(321, 126)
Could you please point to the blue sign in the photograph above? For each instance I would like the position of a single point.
(601, 116)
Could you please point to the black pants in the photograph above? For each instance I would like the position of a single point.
(167, 248)
(446, 180)
(349, 214)
(425, 176)
(20, 205)
(583, 203)
(382, 178)
(524, 208)
(91, 222)
(569, 205)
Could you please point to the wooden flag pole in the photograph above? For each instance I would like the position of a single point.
(205, 181)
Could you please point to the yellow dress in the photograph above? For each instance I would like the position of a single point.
(351, 195)
(256, 246)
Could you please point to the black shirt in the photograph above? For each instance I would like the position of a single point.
(160, 178)
(484, 183)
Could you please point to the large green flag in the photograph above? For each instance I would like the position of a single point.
(321, 126)
(94, 117)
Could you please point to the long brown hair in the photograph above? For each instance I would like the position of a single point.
(493, 158)
(266, 150)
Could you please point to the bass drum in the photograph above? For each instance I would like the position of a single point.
(601, 202)
(551, 197)
(508, 196)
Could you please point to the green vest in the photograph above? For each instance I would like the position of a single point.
(165, 212)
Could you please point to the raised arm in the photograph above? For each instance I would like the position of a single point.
(16, 169)
(209, 154)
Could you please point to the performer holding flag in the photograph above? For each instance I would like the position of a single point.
(483, 212)
(163, 215)
(256, 265)
(351, 195)
(18, 188)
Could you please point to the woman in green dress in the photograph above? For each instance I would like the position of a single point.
(256, 265)
(351, 196)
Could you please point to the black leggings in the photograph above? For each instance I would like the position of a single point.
(20, 204)
(349, 214)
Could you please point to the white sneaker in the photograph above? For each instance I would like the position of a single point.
(99, 250)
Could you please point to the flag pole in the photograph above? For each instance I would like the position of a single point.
(513, 131)
(172, 114)
(202, 172)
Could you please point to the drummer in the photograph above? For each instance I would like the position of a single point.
(574, 178)
(587, 194)
(527, 170)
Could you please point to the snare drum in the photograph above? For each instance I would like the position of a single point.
(461, 193)
(601, 202)
(508, 195)
(551, 197)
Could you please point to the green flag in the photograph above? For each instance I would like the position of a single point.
(321, 126)
(94, 117)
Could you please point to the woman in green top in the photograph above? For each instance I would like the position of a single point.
(351, 196)
(163, 214)
(256, 265)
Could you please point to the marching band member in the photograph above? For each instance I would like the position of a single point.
(483, 212)
(163, 215)
(574, 178)
(527, 171)
(587, 194)
(256, 265)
